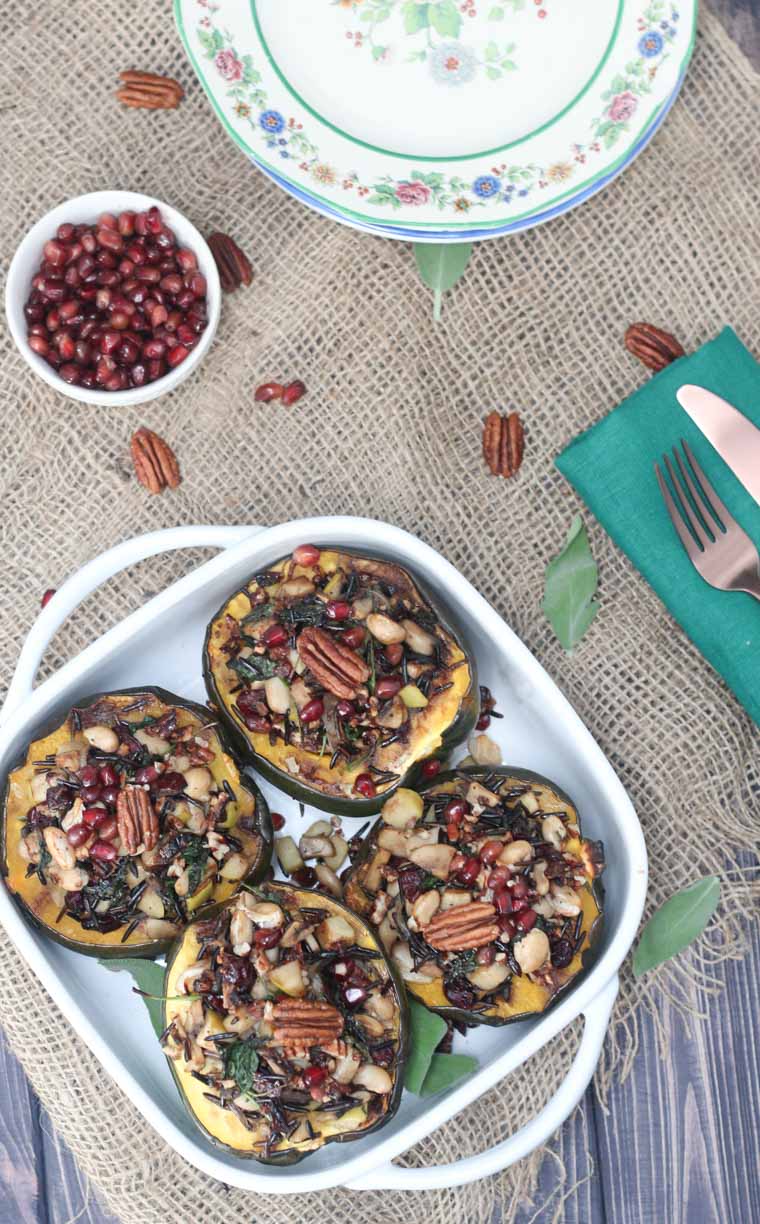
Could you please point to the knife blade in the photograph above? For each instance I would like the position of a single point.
(733, 435)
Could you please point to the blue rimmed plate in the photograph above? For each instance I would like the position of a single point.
(434, 115)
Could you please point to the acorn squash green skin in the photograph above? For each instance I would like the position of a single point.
(151, 948)
(305, 897)
(353, 807)
(361, 901)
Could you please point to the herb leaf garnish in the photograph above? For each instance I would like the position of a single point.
(447, 1069)
(241, 1062)
(676, 924)
(255, 667)
(570, 587)
(427, 1072)
(440, 265)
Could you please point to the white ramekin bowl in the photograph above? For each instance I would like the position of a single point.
(82, 210)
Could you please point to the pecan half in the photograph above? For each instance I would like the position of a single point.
(304, 1022)
(463, 927)
(234, 268)
(136, 820)
(336, 667)
(503, 443)
(155, 463)
(148, 91)
(656, 348)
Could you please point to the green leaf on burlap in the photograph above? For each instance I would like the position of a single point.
(440, 265)
(676, 924)
(570, 586)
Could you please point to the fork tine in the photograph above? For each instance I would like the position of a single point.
(707, 513)
(709, 495)
(685, 507)
(684, 534)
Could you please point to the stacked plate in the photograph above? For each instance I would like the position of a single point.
(440, 120)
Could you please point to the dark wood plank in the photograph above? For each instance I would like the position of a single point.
(20, 1146)
(741, 19)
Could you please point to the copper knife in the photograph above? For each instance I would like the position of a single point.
(733, 435)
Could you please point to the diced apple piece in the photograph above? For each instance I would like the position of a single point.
(287, 854)
(340, 852)
(404, 808)
(288, 978)
(393, 841)
(333, 930)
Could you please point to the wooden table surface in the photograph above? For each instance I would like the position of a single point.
(679, 1144)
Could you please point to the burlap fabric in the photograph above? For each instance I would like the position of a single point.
(391, 427)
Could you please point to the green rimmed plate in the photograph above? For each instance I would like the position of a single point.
(438, 113)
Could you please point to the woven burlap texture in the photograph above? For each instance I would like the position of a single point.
(390, 428)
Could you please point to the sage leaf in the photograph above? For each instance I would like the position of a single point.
(149, 977)
(570, 586)
(676, 924)
(427, 1072)
(426, 1031)
(440, 265)
(447, 1069)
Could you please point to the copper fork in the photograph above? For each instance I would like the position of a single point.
(718, 548)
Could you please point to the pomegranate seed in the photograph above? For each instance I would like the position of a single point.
(157, 314)
(452, 830)
(103, 851)
(177, 355)
(314, 1076)
(502, 899)
(469, 873)
(89, 775)
(483, 722)
(111, 239)
(344, 709)
(141, 224)
(70, 373)
(491, 851)
(90, 794)
(519, 904)
(34, 312)
(72, 277)
(109, 795)
(153, 348)
(156, 369)
(127, 353)
(278, 821)
(147, 774)
(78, 834)
(54, 253)
(394, 653)
(171, 782)
(108, 829)
(136, 253)
(520, 888)
(54, 289)
(174, 318)
(456, 809)
(458, 861)
(104, 370)
(108, 775)
(107, 220)
(387, 687)
(65, 232)
(153, 222)
(197, 285)
(148, 274)
(172, 284)
(268, 938)
(105, 260)
(186, 335)
(338, 609)
(94, 817)
(527, 919)
(430, 768)
(82, 353)
(365, 787)
(497, 877)
(506, 926)
(305, 554)
(267, 392)
(275, 635)
(354, 636)
(52, 320)
(39, 345)
(117, 381)
(65, 345)
(118, 319)
(486, 955)
(186, 260)
(313, 710)
(293, 392)
(126, 223)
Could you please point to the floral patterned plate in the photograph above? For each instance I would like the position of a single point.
(440, 115)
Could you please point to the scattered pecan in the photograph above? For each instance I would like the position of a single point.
(234, 268)
(301, 1022)
(656, 348)
(155, 463)
(148, 91)
(463, 927)
(503, 443)
(336, 667)
(136, 819)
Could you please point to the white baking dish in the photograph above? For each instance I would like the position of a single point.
(161, 644)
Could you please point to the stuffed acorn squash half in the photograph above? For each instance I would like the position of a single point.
(484, 892)
(293, 1032)
(126, 820)
(339, 676)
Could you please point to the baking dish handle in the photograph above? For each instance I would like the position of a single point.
(529, 1137)
(94, 574)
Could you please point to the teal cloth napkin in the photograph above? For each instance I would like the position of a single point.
(611, 465)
